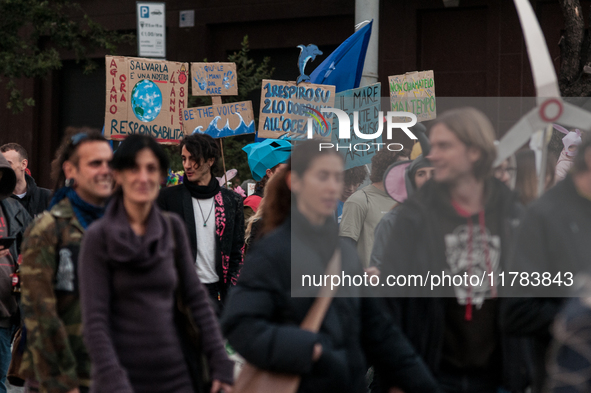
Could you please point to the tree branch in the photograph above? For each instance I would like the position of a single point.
(572, 42)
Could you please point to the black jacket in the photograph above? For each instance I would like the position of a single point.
(554, 236)
(229, 221)
(37, 199)
(417, 246)
(262, 318)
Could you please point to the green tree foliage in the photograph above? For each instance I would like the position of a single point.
(250, 76)
(33, 31)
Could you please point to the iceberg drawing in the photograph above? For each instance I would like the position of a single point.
(215, 132)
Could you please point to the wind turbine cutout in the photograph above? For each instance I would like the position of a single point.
(550, 106)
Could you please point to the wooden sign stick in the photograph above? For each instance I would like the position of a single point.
(217, 100)
(223, 161)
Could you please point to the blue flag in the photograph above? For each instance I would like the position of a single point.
(344, 66)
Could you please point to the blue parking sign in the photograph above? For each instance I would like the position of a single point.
(144, 11)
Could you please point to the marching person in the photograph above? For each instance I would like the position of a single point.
(34, 199)
(136, 259)
(55, 359)
(213, 216)
(14, 219)
(264, 311)
(365, 208)
(264, 159)
(553, 239)
(460, 222)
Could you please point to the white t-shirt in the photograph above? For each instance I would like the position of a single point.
(205, 261)
(21, 196)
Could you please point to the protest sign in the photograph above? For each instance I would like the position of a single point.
(145, 97)
(366, 102)
(214, 79)
(286, 108)
(414, 92)
(220, 121)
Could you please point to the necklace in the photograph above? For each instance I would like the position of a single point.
(203, 215)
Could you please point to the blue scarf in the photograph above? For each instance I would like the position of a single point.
(84, 211)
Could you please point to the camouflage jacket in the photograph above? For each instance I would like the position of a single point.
(55, 354)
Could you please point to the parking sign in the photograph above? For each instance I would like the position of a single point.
(151, 29)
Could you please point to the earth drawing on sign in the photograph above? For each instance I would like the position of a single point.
(146, 100)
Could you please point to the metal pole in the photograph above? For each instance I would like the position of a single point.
(542, 174)
(368, 10)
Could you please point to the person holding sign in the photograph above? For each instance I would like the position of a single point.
(213, 215)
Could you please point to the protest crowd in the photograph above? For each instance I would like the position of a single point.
(324, 271)
(114, 282)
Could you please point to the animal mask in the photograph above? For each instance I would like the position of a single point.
(571, 138)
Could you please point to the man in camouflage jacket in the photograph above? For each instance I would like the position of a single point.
(55, 359)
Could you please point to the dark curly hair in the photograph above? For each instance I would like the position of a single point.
(355, 175)
(202, 147)
(382, 160)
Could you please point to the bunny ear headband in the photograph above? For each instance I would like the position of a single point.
(564, 130)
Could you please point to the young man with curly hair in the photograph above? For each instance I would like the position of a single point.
(214, 216)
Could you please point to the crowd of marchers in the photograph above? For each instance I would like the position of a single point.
(114, 282)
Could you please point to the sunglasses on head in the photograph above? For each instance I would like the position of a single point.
(79, 137)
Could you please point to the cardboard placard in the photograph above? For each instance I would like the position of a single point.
(214, 79)
(366, 102)
(284, 109)
(145, 96)
(414, 92)
(220, 121)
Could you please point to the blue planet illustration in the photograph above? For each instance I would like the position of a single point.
(146, 100)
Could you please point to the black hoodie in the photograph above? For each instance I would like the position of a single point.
(262, 318)
(453, 328)
(36, 200)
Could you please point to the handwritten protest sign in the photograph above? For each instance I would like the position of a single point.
(145, 96)
(220, 121)
(414, 92)
(286, 108)
(214, 79)
(366, 102)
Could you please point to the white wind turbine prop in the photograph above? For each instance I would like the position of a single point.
(550, 106)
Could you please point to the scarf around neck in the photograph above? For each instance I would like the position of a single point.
(85, 212)
(202, 192)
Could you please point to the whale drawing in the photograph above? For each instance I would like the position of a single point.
(306, 53)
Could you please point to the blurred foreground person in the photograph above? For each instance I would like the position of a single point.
(569, 356)
(553, 237)
(264, 311)
(135, 260)
(55, 359)
(461, 222)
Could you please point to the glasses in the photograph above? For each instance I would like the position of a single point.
(79, 137)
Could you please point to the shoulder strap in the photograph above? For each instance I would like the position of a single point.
(315, 316)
